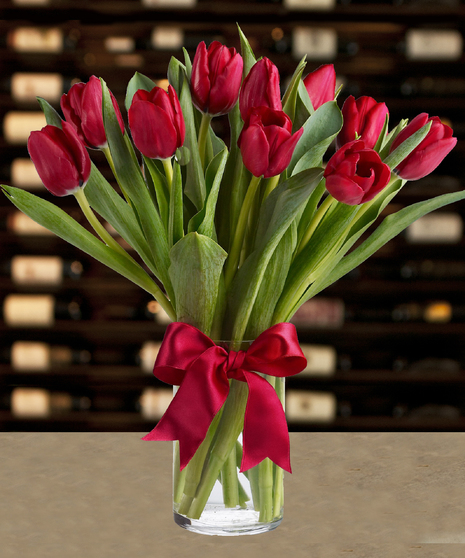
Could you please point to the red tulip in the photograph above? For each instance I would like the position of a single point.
(355, 174)
(321, 85)
(216, 78)
(364, 119)
(431, 151)
(266, 141)
(260, 88)
(156, 122)
(61, 159)
(82, 107)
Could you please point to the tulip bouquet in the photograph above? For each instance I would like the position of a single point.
(231, 239)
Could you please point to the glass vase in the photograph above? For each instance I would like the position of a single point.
(210, 495)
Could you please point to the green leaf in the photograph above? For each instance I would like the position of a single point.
(188, 64)
(138, 81)
(160, 187)
(176, 74)
(175, 228)
(107, 203)
(59, 222)
(130, 178)
(51, 115)
(291, 94)
(277, 214)
(247, 53)
(303, 109)
(196, 266)
(391, 226)
(213, 177)
(195, 183)
(319, 131)
(407, 146)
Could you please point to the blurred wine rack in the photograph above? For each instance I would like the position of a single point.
(386, 345)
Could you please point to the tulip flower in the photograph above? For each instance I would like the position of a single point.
(82, 107)
(430, 152)
(260, 88)
(156, 122)
(321, 85)
(60, 158)
(267, 142)
(355, 174)
(216, 78)
(364, 119)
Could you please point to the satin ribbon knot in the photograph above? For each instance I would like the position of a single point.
(190, 359)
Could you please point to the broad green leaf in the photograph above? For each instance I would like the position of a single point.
(387, 230)
(51, 115)
(196, 266)
(60, 223)
(319, 131)
(130, 178)
(188, 64)
(278, 212)
(214, 176)
(303, 109)
(138, 81)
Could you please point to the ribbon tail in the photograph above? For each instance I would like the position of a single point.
(265, 427)
(190, 413)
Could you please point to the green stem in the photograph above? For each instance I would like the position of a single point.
(315, 222)
(228, 431)
(236, 247)
(272, 183)
(168, 172)
(265, 484)
(203, 135)
(230, 481)
(179, 476)
(278, 494)
(107, 153)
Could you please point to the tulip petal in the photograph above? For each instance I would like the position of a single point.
(200, 80)
(255, 150)
(281, 156)
(343, 189)
(321, 85)
(152, 130)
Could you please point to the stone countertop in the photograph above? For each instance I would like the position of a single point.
(351, 495)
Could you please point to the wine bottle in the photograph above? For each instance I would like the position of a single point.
(321, 360)
(145, 310)
(444, 227)
(154, 402)
(303, 5)
(19, 223)
(25, 87)
(169, 38)
(36, 356)
(23, 174)
(428, 365)
(310, 406)
(172, 4)
(320, 312)
(40, 403)
(317, 43)
(433, 270)
(32, 3)
(148, 354)
(17, 125)
(36, 39)
(32, 310)
(41, 270)
(433, 44)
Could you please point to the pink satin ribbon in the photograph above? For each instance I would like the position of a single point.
(191, 360)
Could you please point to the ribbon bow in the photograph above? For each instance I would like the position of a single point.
(190, 359)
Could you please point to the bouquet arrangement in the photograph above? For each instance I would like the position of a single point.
(231, 240)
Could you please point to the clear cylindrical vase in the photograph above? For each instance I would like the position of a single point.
(210, 495)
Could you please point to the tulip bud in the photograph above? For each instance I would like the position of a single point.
(364, 119)
(82, 107)
(321, 85)
(430, 152)
(216, 78)
(260, 88)
(266, 141)
(156, 122)
(60, 158)
(355, 174)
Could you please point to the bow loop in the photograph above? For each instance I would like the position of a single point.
(202, 369)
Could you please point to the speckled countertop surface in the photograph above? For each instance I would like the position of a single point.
(351, 495)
